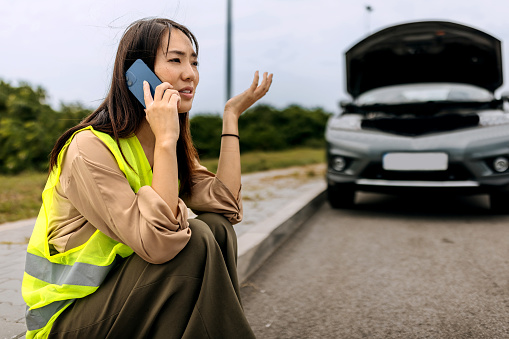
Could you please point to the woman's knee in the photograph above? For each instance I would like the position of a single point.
(201, 233)
(219, 225)
(192, 258)
(223, 232)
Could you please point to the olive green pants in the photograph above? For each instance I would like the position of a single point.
(195, 295)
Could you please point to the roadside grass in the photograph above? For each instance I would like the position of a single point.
(263, 161)
(20, 195)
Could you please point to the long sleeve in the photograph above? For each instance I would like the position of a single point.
(93, 184)
(209, 194)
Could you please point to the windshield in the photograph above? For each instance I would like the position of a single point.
(415, 93)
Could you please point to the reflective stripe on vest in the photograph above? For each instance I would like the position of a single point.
(79, 274)
(37, 318)
(52, 282)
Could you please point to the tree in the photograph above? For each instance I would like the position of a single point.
(29, 127)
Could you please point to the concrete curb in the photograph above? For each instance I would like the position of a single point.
(258, 244)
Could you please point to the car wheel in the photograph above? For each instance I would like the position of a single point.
(499, 202)
(341, 195)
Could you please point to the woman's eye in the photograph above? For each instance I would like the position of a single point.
(175, 60)
(195, 63)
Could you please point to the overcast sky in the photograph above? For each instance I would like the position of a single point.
(68, 47)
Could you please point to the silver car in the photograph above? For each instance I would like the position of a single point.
(423, 116)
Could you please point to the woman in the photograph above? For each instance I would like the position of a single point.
(113, 254)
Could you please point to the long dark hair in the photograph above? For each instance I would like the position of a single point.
(120, 114)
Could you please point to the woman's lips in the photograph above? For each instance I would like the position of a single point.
(186, 93)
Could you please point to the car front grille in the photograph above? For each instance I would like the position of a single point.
(453, 173)
(419, 125)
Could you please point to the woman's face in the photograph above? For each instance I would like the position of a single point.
(178, 65)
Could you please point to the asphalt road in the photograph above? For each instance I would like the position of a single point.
(393, 267)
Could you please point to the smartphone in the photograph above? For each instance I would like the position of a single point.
(135, 75)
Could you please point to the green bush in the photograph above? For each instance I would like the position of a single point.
(264, 128)
(206, 131)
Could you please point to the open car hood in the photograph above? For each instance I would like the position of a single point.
(428, 51)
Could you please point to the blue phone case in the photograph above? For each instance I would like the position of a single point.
(135, 75)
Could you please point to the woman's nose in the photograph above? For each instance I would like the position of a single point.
(189, 72)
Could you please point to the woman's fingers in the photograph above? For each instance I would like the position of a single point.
(147, 96)
(269, 83)
(264, 87)
(174, 100)
(269, 80)
(256, 79)
(161, 90)
(158, 93)
(255, 92)
(164, 92)
(172, 97)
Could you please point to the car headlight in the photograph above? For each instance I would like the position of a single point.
(347, 121)
(501, 164)
(338, 163)
(493, 118)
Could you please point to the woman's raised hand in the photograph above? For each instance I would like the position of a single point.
(239, 103)
(162, 111)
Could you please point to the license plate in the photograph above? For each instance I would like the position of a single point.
(430, 161)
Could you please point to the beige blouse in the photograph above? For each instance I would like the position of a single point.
(93, 193)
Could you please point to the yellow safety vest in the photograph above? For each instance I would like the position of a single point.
(52, 282)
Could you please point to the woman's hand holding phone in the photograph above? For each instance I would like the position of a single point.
(162, 117)
(162, 111)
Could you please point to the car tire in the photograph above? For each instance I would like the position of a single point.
(499, 202)
(341, 195)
